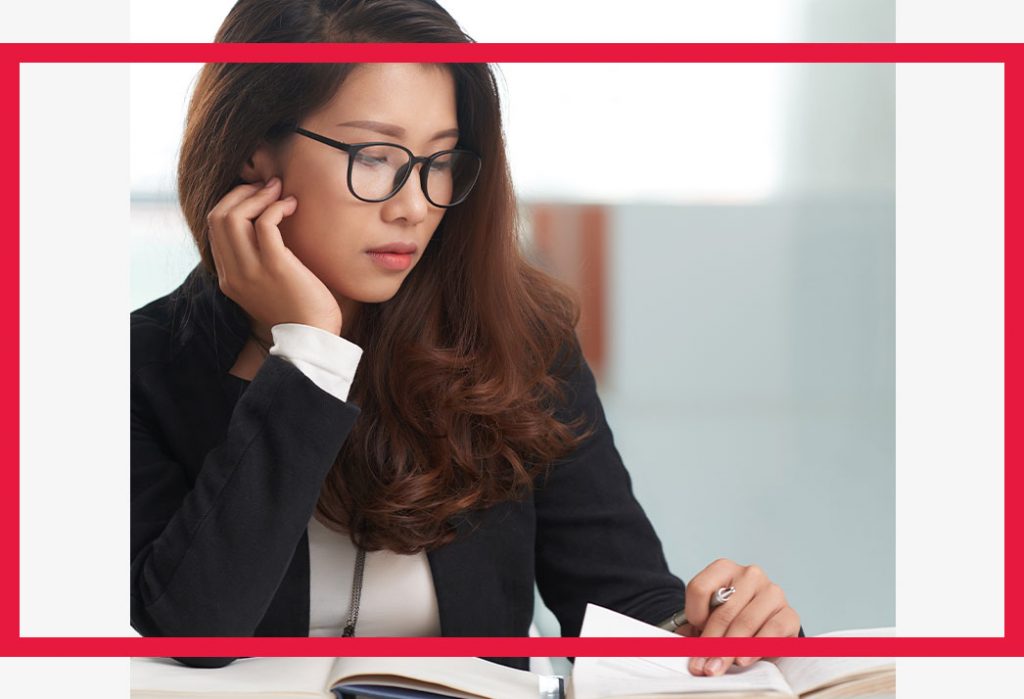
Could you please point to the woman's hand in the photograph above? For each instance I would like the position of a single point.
(758, 607)
(255, 268)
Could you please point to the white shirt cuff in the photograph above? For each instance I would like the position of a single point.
(328, 360)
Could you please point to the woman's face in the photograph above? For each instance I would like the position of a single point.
(331, 230)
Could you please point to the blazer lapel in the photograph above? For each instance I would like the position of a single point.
(484, 578)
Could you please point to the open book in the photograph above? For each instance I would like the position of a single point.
(340, 678)
(475, 678)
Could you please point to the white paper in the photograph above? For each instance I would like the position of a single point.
(594, 678)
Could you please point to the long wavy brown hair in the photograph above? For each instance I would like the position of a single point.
(461, 375)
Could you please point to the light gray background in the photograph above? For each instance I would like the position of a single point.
(943, 100)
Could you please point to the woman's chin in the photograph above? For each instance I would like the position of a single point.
(371, 293)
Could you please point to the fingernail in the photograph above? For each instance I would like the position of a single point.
(271, 182)
(698, 665)
(743, 662)
(714, 666)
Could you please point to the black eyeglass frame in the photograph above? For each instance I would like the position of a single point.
(353, 148)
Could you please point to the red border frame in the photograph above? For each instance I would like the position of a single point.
(13, 55)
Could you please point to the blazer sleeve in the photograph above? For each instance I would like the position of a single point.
(594, 542)
(208, 557)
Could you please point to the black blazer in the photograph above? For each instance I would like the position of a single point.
(225, 475)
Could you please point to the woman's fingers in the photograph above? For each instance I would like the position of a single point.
(724, 615)
(251, 207)
(703, 586)
(224, 258)
(699, 593)
(233, 198)
(758, 607)
(744, 662)
(688, 629)
(744, 614)
(272, 249)
(215, 252)
(257, 270)
(239, 230)
(756, 616)
(780, 623)
(785, 622)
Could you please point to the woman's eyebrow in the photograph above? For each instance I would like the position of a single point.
(392, 130)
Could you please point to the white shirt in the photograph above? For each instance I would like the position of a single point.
(397, 596)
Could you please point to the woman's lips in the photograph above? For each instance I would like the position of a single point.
(391, 260)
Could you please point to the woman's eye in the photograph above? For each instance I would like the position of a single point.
(364, 159)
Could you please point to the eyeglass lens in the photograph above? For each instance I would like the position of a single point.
(378, 170)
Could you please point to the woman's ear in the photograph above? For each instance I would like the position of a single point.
(260, 166)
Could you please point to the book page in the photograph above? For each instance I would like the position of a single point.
(805, 674)
(881, 632)
(597, 678)
(269, 677)
(594, 678)
(475, 677)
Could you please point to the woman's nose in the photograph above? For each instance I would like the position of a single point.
(411, 197)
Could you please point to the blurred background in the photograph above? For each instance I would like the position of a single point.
(730, 231)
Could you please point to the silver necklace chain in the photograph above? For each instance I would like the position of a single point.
(357, 587)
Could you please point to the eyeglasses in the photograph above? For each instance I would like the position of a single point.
(377, 170)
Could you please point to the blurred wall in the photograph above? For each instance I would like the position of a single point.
(751, 389)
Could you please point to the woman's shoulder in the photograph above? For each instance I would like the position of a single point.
(155, 328)
(154, 317)
(569, 359)
(571, 364)
(164, 324)
(151, 334)
(576, 381)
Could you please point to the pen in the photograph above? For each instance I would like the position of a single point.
(679, 618)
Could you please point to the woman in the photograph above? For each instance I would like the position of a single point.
(364, 410)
